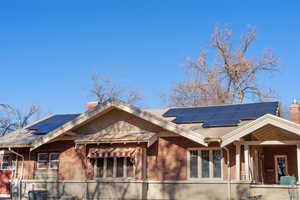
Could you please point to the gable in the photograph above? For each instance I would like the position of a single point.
(270, 132)
(263, 127)
(116, 122)
(109, 105)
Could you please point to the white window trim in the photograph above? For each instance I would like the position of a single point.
(115, 169)
(49, 165)
(38, 161)
(210, 149)
(11, 165)
(47, 161)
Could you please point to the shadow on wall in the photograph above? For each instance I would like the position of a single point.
(171, 164)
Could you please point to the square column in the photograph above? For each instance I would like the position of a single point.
(238, 161)
(246, 156)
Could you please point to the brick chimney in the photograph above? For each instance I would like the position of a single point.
(294, 111)
(91, 105)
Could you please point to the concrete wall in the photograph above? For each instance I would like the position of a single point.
(208, 190)
(85, 190)
(268, 192)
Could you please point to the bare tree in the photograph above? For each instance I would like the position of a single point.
(104, 89)
(13, 118)
(229, 78)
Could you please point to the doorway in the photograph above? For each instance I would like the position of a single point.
(281, 166)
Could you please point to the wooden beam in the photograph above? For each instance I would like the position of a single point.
(152, 140)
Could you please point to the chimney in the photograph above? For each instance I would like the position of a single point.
(91, 105)
(294, 111)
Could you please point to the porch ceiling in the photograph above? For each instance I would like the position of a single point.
(270, 132)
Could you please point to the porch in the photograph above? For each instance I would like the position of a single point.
(266, 162)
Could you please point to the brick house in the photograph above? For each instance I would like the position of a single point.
(117, 151)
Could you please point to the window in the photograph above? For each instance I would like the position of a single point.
(194, 163)
(115, 167)
(47, 160)
(7, 162)
(53, 160)
(205, 163)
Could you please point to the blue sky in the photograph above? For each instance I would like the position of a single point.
(50, 49)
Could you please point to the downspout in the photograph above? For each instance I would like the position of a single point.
(229, 174)
(22, 167)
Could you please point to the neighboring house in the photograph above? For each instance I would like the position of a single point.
(117, 151)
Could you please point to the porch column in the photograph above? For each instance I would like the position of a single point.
(246, 156)
(298, 161)
(238, 161)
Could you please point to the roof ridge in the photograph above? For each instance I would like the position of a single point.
(68, 114)
(219, 105)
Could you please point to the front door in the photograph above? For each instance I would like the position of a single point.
(281, 167)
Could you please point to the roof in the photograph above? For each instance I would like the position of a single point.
(53, 126)
(113, 104)
(51, 123)
(222, 115)
(219, 130)
(26, 136)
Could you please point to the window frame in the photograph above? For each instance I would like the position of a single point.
(48, 161)
(11, 165)
(199, 160)
(114, 176)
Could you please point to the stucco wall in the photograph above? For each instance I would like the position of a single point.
(115, 122)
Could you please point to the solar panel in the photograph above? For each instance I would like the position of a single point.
(229, 122)
(228, 114)
(51, 123)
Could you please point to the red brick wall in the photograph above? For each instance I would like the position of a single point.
(270, 152)
(167, 158)
(71, 160)
(5, 176)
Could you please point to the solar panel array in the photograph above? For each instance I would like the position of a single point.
(51, 123)
(227, 115)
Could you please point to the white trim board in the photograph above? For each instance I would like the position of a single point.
(271, 142)
(267, 119)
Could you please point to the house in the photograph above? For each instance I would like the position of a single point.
(117, 151)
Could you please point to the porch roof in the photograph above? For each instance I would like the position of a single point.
(288, 128)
